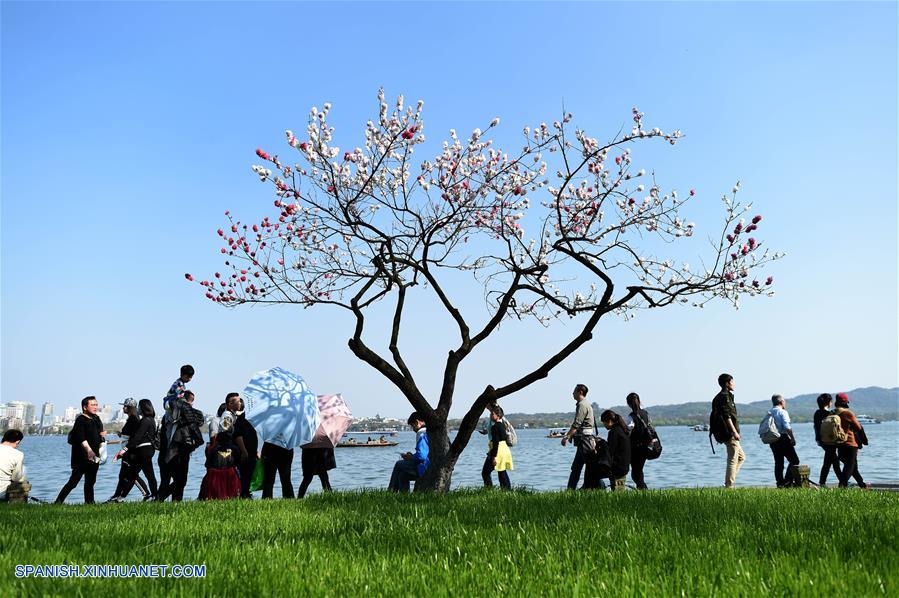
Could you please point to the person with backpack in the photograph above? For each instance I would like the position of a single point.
(619, 444)
(829, 447)
(785, 445)
(725, 427)
(179, 437)
(488, 469)
(848, 451)
(86, 436)
(140, 449)
(638, 423)
(581, 432)
(499, 454)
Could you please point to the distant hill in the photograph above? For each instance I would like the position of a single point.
(881, 403)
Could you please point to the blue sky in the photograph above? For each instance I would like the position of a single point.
(129, 128)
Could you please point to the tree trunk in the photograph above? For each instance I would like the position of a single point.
(439, 474)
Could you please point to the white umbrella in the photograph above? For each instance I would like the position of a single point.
(281, 408)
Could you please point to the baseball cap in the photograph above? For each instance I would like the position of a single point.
(129, 402)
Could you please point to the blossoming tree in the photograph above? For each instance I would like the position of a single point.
(352, 227)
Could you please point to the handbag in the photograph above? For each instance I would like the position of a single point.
(102, 454)
(258, 475)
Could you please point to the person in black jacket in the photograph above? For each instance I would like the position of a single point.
(180, 436)
(130, 409)
(639, 439)
(247, 442)
(140, 448)
(86, 435)
(619, 443)
(830, 451)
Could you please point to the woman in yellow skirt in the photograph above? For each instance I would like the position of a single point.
(499, 448)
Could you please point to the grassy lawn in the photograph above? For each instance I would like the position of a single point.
(659, 543)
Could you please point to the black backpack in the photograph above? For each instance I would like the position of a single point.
(155, 439)
(650, 439)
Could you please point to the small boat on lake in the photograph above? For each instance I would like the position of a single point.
(370, 443)
(555, 433)
(867, 419)
(701, 428)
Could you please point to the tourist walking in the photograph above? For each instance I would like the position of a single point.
(784, 448)
(619, 444)
(830, 450)
(139, 451)
(316, 461)
(129, 408)
(247, 442)
(848, 451)
(276, 459)
(412, 466)
(86, 435)
(726, 428)
(221, 480)
(12, 463)
(581, 433)
(499, 454)
(487, 469)
(638, 423)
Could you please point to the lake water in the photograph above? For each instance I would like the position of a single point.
(540, 463)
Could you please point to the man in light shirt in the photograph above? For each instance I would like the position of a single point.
(785, 446)
(12, 460)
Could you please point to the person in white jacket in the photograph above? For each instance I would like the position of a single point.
(12, 468)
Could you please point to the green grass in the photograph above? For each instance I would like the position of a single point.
(657, 543)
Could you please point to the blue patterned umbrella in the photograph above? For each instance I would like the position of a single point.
(281, 408)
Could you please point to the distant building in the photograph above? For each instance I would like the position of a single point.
(107, 413)
(71, 414)
(47, 415)
(20, 410)
(10, 423)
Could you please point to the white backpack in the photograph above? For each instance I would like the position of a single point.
(511, 434)
(768, 429)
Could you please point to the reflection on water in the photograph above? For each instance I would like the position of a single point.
(540, 463)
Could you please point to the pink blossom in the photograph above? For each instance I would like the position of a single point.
(757, 219)
(770, 281)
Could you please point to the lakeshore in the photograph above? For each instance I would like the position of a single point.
(540, 463)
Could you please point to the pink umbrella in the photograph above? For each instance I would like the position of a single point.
(335, 419)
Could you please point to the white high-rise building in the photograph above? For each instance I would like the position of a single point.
(19, 410)
(47, 415)
(71, 414)
(106, 413)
